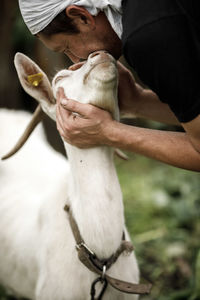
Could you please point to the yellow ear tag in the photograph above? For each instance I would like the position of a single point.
(35, 79)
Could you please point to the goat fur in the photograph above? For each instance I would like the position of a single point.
(38, 259)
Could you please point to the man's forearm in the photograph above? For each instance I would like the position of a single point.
(137, 101)
(149, 106)
(98, 128)
(173, 148)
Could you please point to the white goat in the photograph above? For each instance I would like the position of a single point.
(38, 259)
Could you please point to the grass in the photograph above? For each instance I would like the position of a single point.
(162, 208)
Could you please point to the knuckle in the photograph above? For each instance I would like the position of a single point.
(73, 105)
(91, 109)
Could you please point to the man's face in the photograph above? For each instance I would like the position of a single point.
(79, 45)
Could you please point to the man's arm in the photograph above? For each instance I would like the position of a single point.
(139, 102)
(96, 127)
(193, 130)
(173, 148)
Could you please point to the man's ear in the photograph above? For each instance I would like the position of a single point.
(80, 16)
(33, 79)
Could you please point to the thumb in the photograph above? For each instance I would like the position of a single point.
(76, 107)
(60, 95)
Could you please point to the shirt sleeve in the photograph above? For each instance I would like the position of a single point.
(166, 56)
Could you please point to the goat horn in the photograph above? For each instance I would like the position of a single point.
(121, 154)
(36, 119)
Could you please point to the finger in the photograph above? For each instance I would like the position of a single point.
(72, 105)
(76, 66)
(62, 116)
(60, 95)
(84, 110)
(63, 113)
(62, 100)
(60, 129)
(59, 118)
(60, 126)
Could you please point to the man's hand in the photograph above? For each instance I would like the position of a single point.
(82, 125)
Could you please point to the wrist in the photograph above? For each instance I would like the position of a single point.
(112, 133)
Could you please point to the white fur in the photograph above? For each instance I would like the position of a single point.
(38, 259)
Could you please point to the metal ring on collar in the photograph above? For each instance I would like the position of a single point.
(103, 273)
(78, 246)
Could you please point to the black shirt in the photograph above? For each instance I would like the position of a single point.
(161, 41)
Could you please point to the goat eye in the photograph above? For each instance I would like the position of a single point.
(60, 78)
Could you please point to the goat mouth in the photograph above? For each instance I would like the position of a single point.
(98, 64)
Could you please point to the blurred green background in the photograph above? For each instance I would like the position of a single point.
(162, 203)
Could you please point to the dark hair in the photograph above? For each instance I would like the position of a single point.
(60, 24)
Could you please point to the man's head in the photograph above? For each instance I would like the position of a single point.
(77, 34)
(75, 30)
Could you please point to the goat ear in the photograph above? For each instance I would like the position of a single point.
(33, 79)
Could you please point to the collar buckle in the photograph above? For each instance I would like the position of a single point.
(82, 244)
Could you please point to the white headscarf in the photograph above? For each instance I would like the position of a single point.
(37, 14)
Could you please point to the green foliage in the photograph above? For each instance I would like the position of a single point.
(22, 40)
(196, 294)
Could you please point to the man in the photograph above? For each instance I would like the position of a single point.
(161, 40)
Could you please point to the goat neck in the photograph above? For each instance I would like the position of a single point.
(96, 199)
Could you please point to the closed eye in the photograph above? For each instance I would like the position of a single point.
(60, 78)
